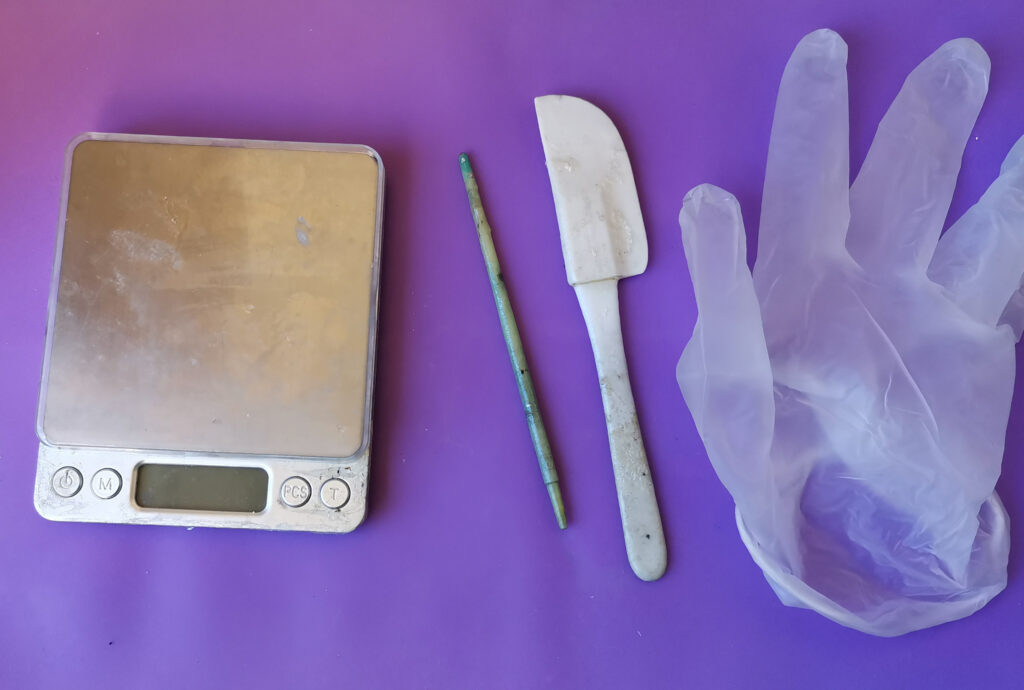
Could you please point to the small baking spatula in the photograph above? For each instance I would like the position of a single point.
(603, 240)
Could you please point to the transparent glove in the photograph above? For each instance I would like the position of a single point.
(853, 394)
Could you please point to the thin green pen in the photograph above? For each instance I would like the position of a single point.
(515, 345)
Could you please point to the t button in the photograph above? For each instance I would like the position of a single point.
(334, 493)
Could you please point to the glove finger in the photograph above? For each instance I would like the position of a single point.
(724, 372)
(980, 259)
(1013, 315)
(902, 194)
(805, 208)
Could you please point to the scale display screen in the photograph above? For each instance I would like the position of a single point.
(201, 487)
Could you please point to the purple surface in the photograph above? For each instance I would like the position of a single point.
(459, 578)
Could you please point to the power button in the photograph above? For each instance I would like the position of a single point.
(66, 482)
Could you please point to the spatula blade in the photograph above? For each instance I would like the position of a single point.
(596, 202)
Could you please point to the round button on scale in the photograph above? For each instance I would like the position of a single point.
(295, 492)
(66, 482)
(334, 493)
(106, 483)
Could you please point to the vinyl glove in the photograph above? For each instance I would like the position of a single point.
(853, 393)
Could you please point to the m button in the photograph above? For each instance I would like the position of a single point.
(106, 483)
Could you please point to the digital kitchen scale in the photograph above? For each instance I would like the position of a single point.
(212, 325)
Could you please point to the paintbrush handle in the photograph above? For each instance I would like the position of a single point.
(514, 344)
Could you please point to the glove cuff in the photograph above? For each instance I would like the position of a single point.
(904, 614)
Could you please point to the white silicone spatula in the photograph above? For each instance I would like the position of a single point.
(603, 240)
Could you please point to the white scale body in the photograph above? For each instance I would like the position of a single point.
(211, 342)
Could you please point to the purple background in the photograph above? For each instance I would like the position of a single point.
(459, 577)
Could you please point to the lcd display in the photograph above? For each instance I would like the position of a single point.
(201, 487)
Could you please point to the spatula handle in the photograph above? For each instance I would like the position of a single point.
(638, 506)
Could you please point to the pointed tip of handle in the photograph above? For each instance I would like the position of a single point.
(555, 494)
